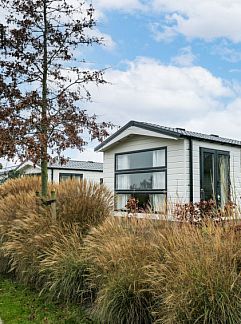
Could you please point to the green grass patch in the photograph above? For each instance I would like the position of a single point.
(19, 304)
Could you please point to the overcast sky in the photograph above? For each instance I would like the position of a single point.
(172, 62)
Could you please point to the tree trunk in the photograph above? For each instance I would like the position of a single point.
(44, 126)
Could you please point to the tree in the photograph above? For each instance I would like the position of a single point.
(42, 83)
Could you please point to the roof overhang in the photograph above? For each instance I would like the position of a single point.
(130, 129)
(25, 165)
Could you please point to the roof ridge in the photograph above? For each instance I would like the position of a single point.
(171, 131)
(83, 161)
(190, 131)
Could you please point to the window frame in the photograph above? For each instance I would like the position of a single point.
(70, 175)
(141, 170)
(216, 153)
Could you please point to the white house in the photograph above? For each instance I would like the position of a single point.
(5, 172)
(152, 163)
(57, 172)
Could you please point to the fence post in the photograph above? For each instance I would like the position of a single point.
(38, 201)
(53, 204)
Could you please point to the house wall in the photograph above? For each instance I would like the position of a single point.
(178, 177)
(88, 175)
(177, 181)
(32, 170)
(235, 167)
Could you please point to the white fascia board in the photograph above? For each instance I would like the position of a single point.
(133, 130)
(26, 165)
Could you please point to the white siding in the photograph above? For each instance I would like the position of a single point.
(235, 167)
(32, 170)
(88, 175)
(178, 177)
(176, 162)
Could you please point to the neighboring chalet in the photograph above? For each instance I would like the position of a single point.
(159, 164)
(5, 173)
(92, 171)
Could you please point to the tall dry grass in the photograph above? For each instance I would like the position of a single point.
(26, 244)
(135, 271)
(83, 202)
(28, 231)
(64, 267)
(200, 279)
(147, 272)
(118, 254)
(15, 207)
(20, 186)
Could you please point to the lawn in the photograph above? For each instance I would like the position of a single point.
(21, 305)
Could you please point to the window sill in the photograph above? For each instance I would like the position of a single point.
(143, 215)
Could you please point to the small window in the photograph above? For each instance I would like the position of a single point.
(101, 180)
(67, 176)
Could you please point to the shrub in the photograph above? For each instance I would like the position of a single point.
(204, 211)
(64, 266)
(83, 202)
(199, 282)
(118, 254)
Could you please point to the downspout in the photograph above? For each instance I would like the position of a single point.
(52, 176)
(191, 168)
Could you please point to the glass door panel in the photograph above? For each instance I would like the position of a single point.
(222, 179)
(208, 176)
(215, 177)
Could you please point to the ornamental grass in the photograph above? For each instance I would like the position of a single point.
(83, 202)
(20, 185)
(125, 270)
(200, 279)
(64, 267)
(118, 253)
(26, 243)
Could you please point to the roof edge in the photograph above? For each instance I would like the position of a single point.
(119, 131)
(137, 124)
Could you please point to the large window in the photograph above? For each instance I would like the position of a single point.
(141, 174)
(67, 176)
(215, 179)
(141, 181)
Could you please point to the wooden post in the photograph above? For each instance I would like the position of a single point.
(53, 204)
(38, 201)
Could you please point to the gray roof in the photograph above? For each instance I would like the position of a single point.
(176, 132)
(78, 165)
(7, 169)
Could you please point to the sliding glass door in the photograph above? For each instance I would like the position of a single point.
(214, 175)
(223, 190)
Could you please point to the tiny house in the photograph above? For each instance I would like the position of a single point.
(156, 164)
(57, 172)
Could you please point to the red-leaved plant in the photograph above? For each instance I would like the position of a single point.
(196, 213)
